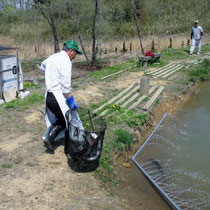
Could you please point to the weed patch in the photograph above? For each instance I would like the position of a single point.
(27, 85)
(129, 65)
(120, 140)
(23, 104)
(175, 53)
(6, 165)
(201, 72)
(178, 88)
(123, 140)
(206, 48)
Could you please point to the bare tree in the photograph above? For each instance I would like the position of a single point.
(45, 7)
(137, 23)
(70, 12)
(94, 50)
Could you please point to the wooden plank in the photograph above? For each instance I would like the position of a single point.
(116, 97)
(165, 72)
(152, 99)
(122, 99)
(153, 71)
(112, 74)
(172, 72)
(198, 62)
(158, 72)
(129, 94)
(142, 98)
(130, 99)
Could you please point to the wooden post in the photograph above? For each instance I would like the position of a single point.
(153, 45)
(131, 46)
(124, 47)
(144, 85)
(18, 76)
(170, 44)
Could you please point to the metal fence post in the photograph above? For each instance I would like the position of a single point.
(17, 66)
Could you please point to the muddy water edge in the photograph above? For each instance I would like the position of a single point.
(133, 184)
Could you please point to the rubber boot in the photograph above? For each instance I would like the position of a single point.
(53, 132)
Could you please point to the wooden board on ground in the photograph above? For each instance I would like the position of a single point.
(142, 98)
(112, 74)
(152, 99)
(116, 97)
(122, 99)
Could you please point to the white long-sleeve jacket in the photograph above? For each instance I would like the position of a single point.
(58, 71)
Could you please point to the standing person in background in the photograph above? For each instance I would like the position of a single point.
(196, 36)
(58, 71)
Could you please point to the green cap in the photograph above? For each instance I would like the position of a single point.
(72, 45)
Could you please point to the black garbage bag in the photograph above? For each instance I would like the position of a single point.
(85, 134)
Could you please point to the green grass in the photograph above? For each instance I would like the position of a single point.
(160, 63)
(175, 54)
(131, 119)
(23, 104)
(178, 88)
(205, 48)
(6, 165)
(120, 138)
(129, 65)
(20, 191)
(122, 141)
(200, 72)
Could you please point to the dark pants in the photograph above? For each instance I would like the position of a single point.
(54, 107)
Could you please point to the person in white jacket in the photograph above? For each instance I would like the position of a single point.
(58, 71)
(196, 36)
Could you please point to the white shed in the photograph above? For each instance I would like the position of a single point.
(11, 77)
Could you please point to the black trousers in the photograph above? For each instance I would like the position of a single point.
(54, 107)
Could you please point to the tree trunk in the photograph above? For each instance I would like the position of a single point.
(137, 24)
(94, 51)
(50, 21)
(69, 10)
(56, 42)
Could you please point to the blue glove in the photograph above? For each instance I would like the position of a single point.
(71, 103)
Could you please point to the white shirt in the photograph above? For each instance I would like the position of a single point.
(196, 32)
(58, 71)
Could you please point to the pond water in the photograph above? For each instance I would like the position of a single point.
(177, 156)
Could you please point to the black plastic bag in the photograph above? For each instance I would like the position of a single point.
(85, 134)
